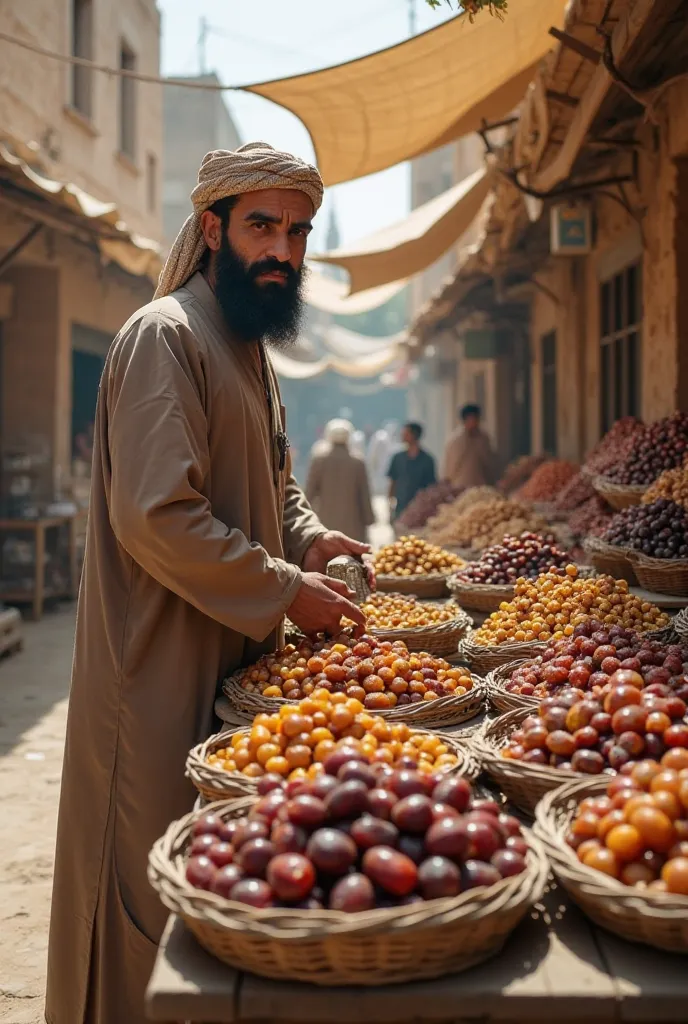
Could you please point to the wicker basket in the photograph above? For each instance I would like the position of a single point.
(501, 699)
(440, 639)
(610, 559)
(484, 659)
(444, 711)
(325, 947)
(661, 575)
(680, 624)
(432, 585)
(482, 597)
(658, 919)
(215, 783)
(524, 784)
(619, 496)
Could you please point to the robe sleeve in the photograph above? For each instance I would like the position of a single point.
(300, 525)
(159, 464)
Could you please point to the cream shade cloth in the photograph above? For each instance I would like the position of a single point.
(137, 255)
(370, 365)
(330, 296)
(411, 245)
(393, 105)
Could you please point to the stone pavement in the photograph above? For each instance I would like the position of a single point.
(33, 704)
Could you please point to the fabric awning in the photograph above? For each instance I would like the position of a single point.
(370, 365)
(330, 296)
(350, 345)
(412, 244)
(390, 106)
(137, 255)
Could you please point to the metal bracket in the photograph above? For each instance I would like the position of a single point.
(18, 246)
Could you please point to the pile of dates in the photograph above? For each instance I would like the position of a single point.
(587, 662)
(661, 445)
(527, 555)
(659, 529)
(359, 836)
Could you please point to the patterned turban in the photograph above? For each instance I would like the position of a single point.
(224, 172)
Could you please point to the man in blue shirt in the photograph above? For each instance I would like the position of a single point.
(409, 471)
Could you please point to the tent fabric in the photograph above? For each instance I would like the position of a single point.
(412, 244)
(349, 354)
(137, 255)
(393, 105)
(330, 296)
(347, 344)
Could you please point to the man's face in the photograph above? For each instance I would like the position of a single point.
(408, 437)
(471, 424)
(257, 264)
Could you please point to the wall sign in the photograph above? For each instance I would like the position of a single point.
(570, 229)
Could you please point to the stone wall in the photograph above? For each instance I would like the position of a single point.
(36, 94)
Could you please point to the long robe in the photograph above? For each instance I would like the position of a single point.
(337, 488)
(194, 539)
(469, 460)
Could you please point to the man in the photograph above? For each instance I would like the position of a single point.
(468, 457)
(199, 542)
(337, 485)
(409, 471)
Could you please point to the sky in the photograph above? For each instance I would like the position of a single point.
(251, 41)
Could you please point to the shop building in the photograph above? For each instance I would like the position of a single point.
(572, 311)
(80, 224)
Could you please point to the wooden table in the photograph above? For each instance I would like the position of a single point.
(41, 592)
(556, 967)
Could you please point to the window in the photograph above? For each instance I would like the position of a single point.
(82, 42)
(127, 103)
(151, 181)
(620, 325)
(548, 375)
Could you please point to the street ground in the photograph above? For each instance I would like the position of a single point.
(33, 712)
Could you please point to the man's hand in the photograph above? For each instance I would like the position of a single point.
(327, 547)
(321, 604)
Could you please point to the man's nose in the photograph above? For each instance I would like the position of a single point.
(279, 247)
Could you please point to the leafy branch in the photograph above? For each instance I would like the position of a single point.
(497, 8)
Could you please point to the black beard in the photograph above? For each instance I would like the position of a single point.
(269, 312)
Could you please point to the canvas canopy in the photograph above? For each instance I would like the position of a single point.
(412, 244)
(390, 106)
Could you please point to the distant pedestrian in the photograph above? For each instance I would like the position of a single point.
(469, 460)
(409, 471)
(337, 484)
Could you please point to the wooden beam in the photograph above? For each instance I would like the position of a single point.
(571, 43)
(561, 97)
(630, 26)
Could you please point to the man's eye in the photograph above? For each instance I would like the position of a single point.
(260, 225)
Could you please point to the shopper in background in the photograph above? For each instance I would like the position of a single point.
(409, 471)
(337, 484)
(469, 460)
(383, 445)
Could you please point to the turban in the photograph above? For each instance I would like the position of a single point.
(339, 432)
(224, 172)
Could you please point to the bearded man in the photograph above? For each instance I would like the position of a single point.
(199, 542)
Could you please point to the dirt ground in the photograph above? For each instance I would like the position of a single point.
(33, 708)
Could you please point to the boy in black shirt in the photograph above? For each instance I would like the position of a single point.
(409, 471)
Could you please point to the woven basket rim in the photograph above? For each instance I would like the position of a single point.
(658, 564)
(166, 874)
(495, 682)
(459, 622)
(211, 778)
(602, 483)
(596, 883)
(400, 713)
(516, 649)
(595, 545)
(492, 589)
(488, 750)
(432, 577)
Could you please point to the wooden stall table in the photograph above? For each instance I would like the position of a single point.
(556, 968)
(42, 592)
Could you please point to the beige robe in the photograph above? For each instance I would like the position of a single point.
(192, 530)
(469, 460)
(337, 488)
